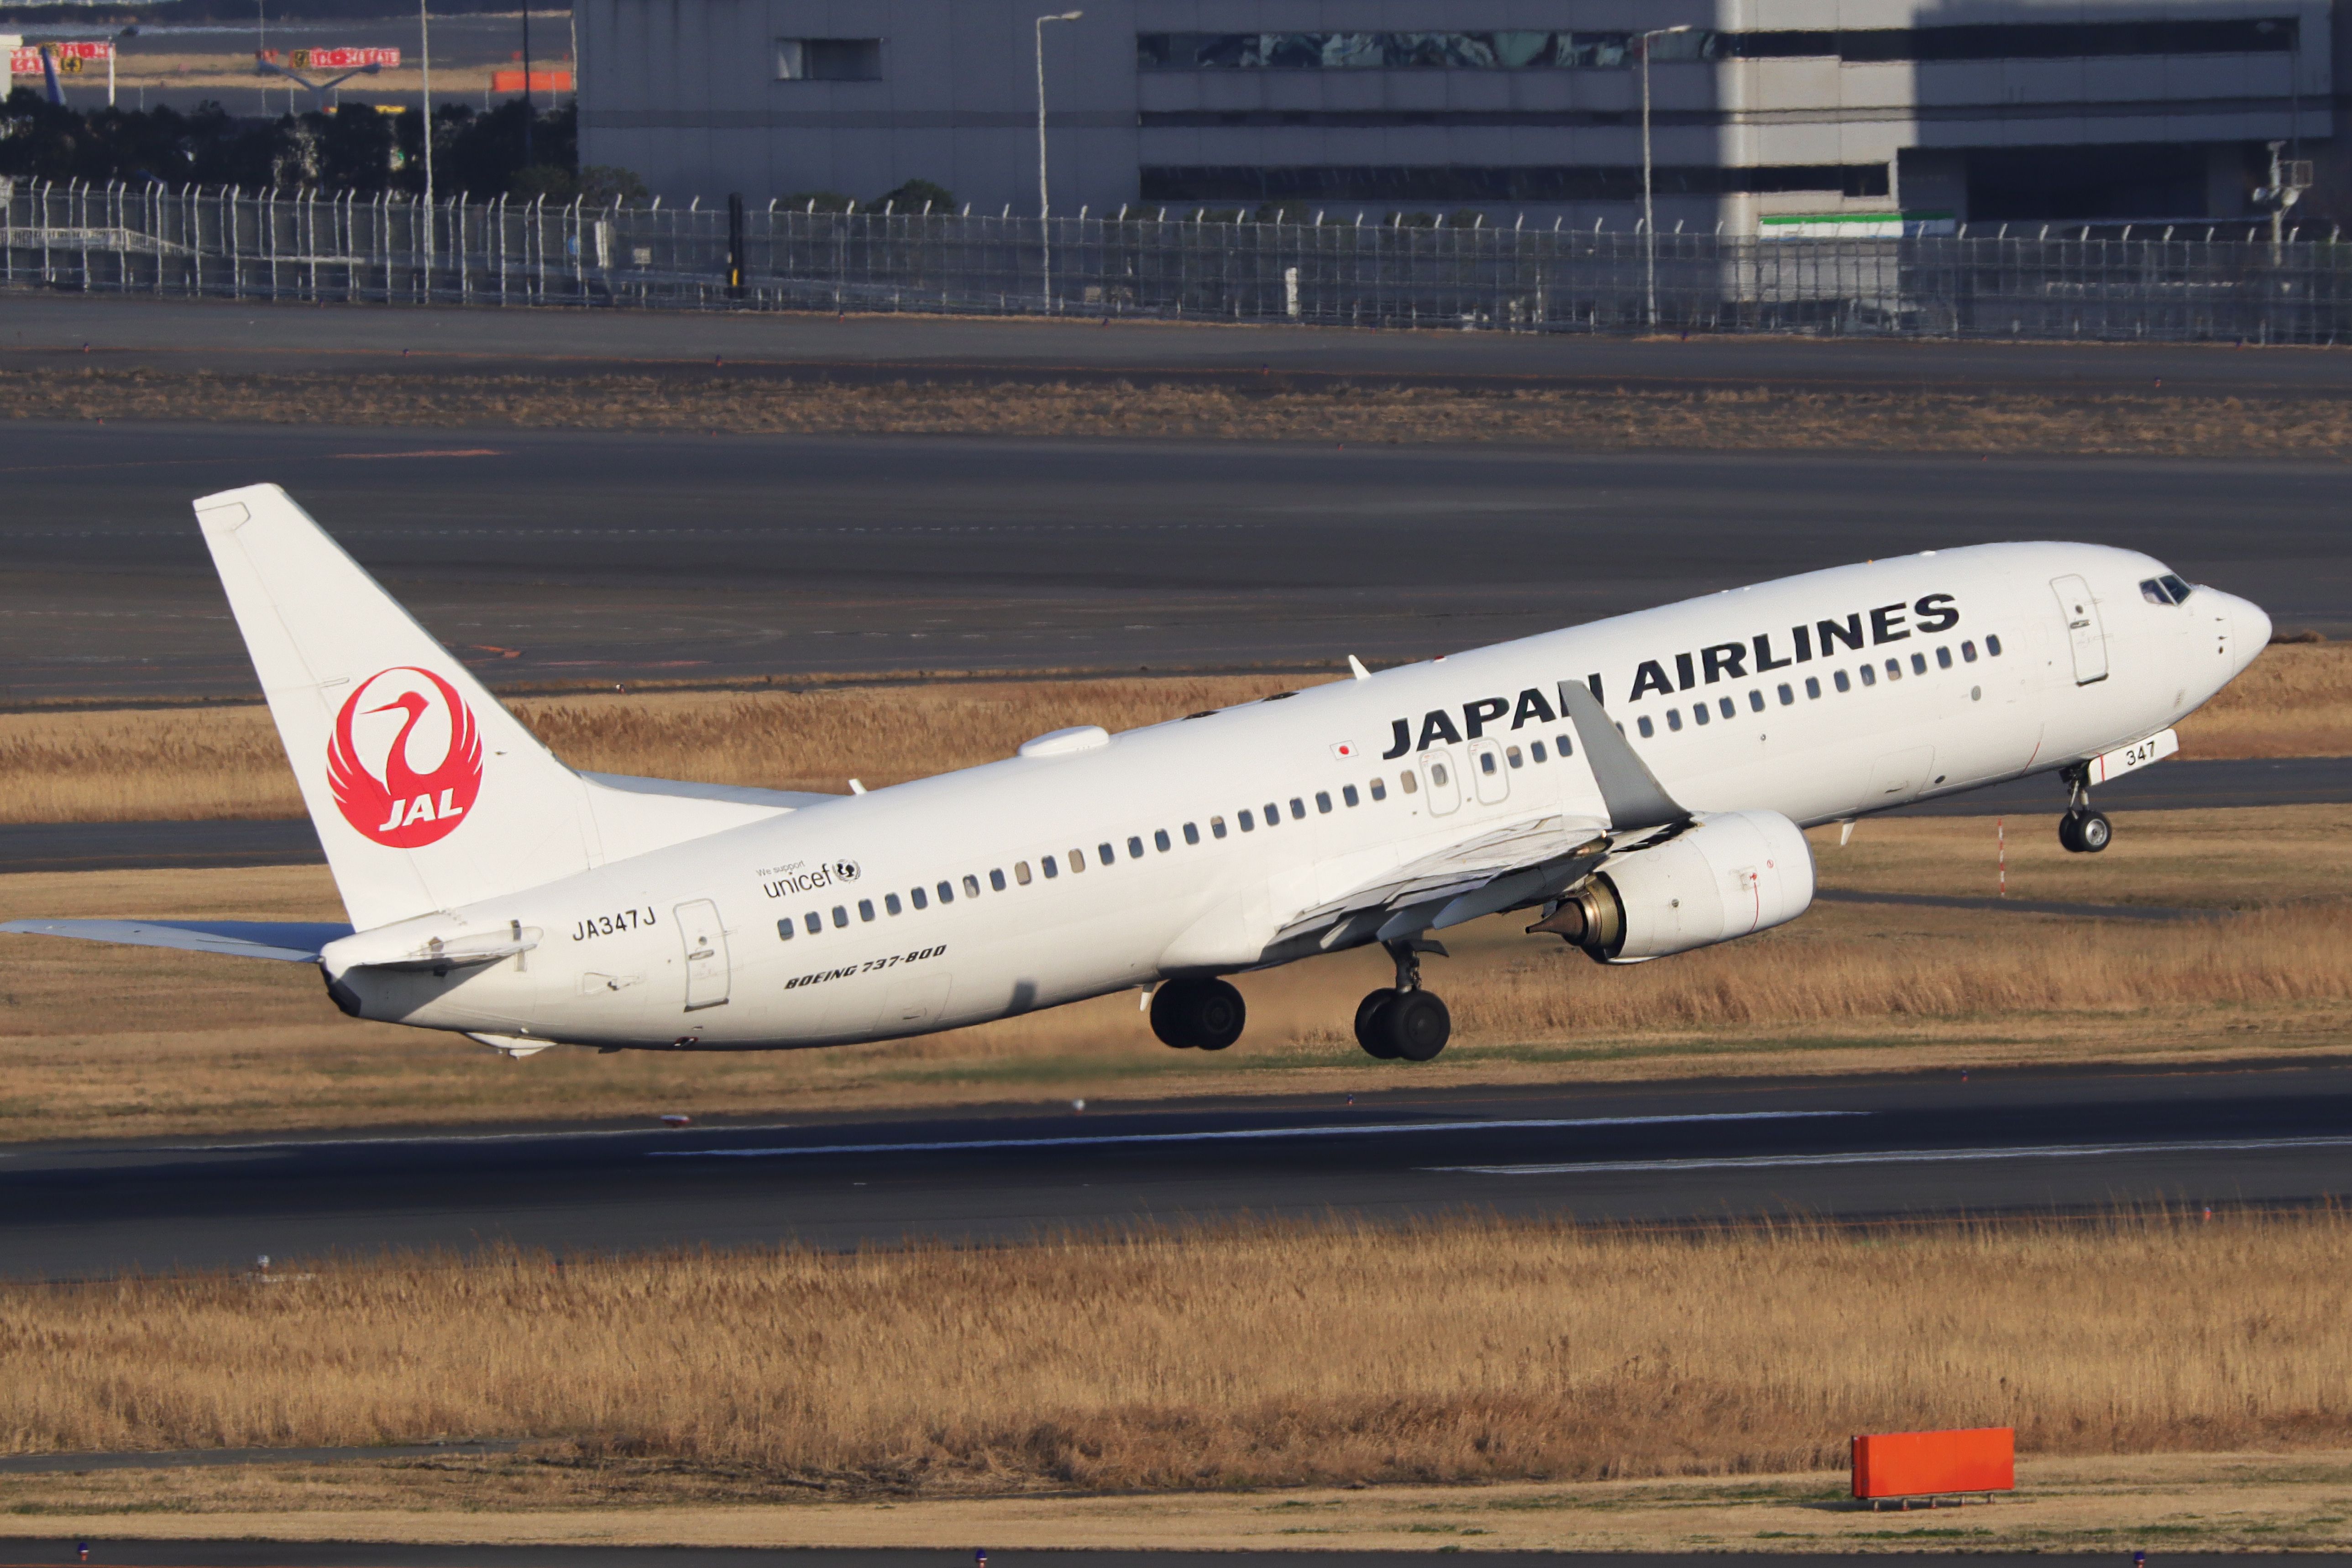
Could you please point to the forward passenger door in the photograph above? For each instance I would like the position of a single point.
(2083, 629)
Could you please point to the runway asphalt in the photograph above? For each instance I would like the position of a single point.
(2170, 786)
(1851, 1148)
(49, 329)
(26, 1552)
(579, 558)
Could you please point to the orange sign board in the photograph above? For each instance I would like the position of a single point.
(541, 81)
(1927, 1464)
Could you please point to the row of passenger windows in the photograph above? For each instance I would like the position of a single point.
(1728, 708)
(1106, 852)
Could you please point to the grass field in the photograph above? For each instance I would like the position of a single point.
(119, 765)
(2004, 420)
(105, 1041)
(1286, 1355)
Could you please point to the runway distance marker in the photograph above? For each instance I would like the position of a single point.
(1898, 1157)
(1239, 1135)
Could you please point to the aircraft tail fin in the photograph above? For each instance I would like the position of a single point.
(426, 794)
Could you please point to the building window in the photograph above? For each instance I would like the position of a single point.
(828, 60)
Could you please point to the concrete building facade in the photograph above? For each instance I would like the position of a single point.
(1970, 111)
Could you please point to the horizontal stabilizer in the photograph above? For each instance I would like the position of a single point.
(290, 941)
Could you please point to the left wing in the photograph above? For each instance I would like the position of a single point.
(290, 941)
(1519, 863)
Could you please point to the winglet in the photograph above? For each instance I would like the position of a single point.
(1632, 793)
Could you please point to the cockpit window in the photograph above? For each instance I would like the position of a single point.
(2165, 590)
(2181, 590)
(2153, 592)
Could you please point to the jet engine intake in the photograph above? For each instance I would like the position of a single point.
(1733, 873)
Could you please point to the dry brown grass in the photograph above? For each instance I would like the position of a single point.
(173, 765)
(1617, 419)
(103, 1041)
(126, 766)
(1238, 1357)
(2293, 701)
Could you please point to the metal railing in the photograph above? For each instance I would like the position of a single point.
(2227, 282)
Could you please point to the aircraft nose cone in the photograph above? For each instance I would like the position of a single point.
(2250, 629)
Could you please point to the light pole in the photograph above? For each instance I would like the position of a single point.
(1649, 217)
(1044, 226)
(425, 64)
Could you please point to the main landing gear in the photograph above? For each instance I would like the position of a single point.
(2083, 830)
(1406, 1022)
(1197, 1014)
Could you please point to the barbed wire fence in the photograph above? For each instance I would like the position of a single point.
(2182, 283)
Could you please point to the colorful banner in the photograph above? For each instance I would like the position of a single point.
(343, 59)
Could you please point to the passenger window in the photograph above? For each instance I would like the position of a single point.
(1943, 657)
(995, 881)
(1160, 840)
(971, 887)
(1536, 749)
(1191, 833)
(1104, 855)
(890, 904)
(1919, 663)
(922, 900)
(1673, 720)
(1249, 824)
(1869, 676)
(1755, 701)
(1046, 864)
(1486, 763)
(1077, 859)
(1893, 669)
(1789, 696)
(812, 923)
(1843, 683)
(1298, 809)
(1216, 827)
(1380, 789)
(1700, 715)
(784, 929)
(1561, 743)
(840, 917)
(1021, 872)
(1437, 773)
(866, 908)
(1273, 815)
(1647, 730)
(1968, 652)
(1992, 645)
(1348, 793)
(1134, 848)
(1322, 802)
(947, 892)
(1406, 782)
(1513, 755)
(1813, 687)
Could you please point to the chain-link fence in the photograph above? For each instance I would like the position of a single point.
(2178, 283)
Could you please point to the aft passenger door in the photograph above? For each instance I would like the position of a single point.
(706, 970)
(2083, 629)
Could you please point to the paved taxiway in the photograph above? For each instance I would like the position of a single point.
(38, 1553)
(587, 557)
(1851, 1148)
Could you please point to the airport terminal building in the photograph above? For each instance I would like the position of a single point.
(1763, 112)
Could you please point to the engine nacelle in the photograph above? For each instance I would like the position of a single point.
(1732, 874)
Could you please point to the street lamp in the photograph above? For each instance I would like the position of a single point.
(1649, 217)
(425, 64)
(1045, 227)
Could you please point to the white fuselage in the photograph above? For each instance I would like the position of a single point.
(1152, 873)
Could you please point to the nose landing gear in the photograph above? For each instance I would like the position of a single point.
(1406, 1022)
(2082, 830)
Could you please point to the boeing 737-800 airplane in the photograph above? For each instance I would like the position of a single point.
(1640, 784)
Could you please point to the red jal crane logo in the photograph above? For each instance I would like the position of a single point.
(407, 760)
